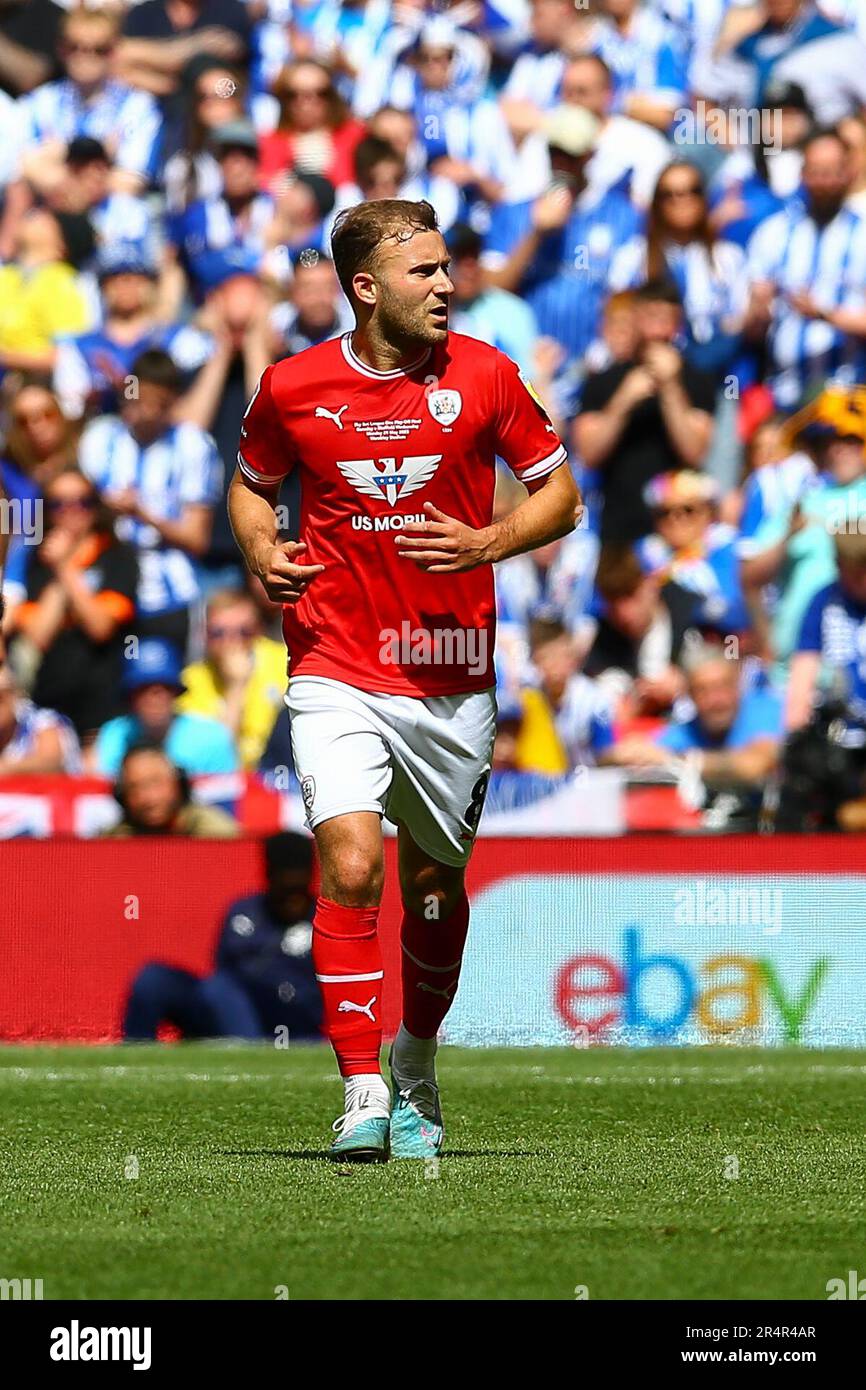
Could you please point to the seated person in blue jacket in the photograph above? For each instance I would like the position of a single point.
(730, 727)
(263, 978)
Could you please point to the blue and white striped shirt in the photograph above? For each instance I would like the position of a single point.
(126, 120)
(792, 251)
(180, 469)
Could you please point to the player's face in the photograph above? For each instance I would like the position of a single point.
(414, 288)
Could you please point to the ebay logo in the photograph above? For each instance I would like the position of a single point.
(658, 992)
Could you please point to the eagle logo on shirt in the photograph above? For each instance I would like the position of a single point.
(390, 479)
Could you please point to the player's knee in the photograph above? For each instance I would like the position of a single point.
(354, 878)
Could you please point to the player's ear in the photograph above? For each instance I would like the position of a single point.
(365, 287)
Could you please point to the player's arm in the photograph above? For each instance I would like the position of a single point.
(265, 458)
(253, 516)
(447, 546)
(523, 435)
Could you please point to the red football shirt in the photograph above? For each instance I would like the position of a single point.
(370, 448)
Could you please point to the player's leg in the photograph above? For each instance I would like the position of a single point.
(345, 773)
(442, 765)
(432, 939)
(348, 963)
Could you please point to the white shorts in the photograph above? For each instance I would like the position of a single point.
(423, 763)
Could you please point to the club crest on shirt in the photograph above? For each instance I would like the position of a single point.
(445, 406)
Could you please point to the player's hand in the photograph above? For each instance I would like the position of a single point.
(442, 544)
(283, 579)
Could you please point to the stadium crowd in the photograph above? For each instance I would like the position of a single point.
(657, 209)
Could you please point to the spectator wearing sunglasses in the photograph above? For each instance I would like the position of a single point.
(69, 632)
(709, 272)
(315, 132)
(90, 101)
(692, 547)
(242, 679)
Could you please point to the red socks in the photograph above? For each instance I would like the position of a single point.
(348, 965)
(432, 955)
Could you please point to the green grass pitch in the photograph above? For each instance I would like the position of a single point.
(197, 1171)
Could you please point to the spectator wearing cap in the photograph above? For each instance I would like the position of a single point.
(649, 415)
(807, 271)
(160, 38)
(241, 680)
(264, 979)
(152, 683)
(691, 546)
(91, 370)
(495, 316)
(40, 292)
(643, 52)
(556, 250)
(315, 131)
(226, 235)
(89, 100)
(628, 154)
(162, 480)
(68, 634)
(33, 740)
(156, 799)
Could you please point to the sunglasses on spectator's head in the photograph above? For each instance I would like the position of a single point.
(218, 630)
(679, 509)
(97, 50)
